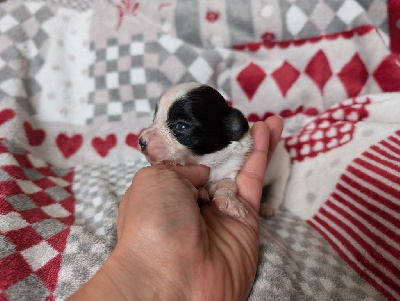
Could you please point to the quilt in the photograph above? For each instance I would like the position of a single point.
(79, 80)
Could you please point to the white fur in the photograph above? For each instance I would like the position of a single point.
(224, 164)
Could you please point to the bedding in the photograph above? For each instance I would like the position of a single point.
(79, 80)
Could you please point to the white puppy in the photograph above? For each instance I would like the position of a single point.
(193, 124)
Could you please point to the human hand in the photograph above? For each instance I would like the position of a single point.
(169, 248)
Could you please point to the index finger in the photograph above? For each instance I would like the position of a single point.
(250, 179)
(275, 125)
(196, 174)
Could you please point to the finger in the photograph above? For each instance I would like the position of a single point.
(251, 176)
(196, 174)
(244, 229)
(275, 124)
(121, 210)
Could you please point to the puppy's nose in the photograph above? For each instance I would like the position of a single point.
(142, 144)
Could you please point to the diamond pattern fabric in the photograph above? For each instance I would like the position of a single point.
(80, 80)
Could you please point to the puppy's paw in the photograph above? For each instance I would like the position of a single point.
(230, 206)
(268, 210)
(270, 207)
(226, 201)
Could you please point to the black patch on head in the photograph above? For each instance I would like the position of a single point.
(202, 121)
(155, 111)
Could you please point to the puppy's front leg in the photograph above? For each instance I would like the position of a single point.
(272, 202)
(276, 176)
(226, 200)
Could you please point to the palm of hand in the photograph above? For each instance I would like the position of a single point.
(170, 249)
(215, 254)
(208, 254)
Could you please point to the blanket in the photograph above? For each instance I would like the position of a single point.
(79, 80)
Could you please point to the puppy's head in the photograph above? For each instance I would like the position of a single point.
(191, 120)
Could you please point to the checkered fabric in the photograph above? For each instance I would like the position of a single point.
(80, 5)
(295, 263)
(79, 81)
(131, 77)
(298, 19)
(36, 212)
(323, 73)
(22, 49)
(307, 18)
(93, 186)
(120, 79)
(98, 190)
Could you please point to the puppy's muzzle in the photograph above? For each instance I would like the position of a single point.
(143, 144)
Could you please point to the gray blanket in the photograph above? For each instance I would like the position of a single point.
(79, 80)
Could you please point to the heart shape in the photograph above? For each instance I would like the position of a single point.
(69, 145)
(338, 114)
(346, 127)
(332, 143)
(318, 146)
(305, 138)
(324, 124)
(292, 141)
(103, 146)
(305, 149)
(253, 117)
(132, 140)
(334, 128)
(332, 132)
(353, 116)
(318, 135)
(286, 113)
(35, 136)
(346, 138)
(6, 115)
(212, 16)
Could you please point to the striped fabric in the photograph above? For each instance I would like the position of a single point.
(361, 218)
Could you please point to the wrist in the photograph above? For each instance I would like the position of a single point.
(126, 277)
(146, 278)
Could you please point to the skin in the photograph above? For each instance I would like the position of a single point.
(169, 248)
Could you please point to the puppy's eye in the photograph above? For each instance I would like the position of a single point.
(181, 126)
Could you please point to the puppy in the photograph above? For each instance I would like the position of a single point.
(193, 124)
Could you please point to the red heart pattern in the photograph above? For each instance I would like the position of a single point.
(253, 117)
(212, 16)
(6, 115)
(35, 136)
(103, 146)
(69, 145)
(132, 140)
(332, 129)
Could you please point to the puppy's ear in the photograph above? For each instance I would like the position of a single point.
(236, 124)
